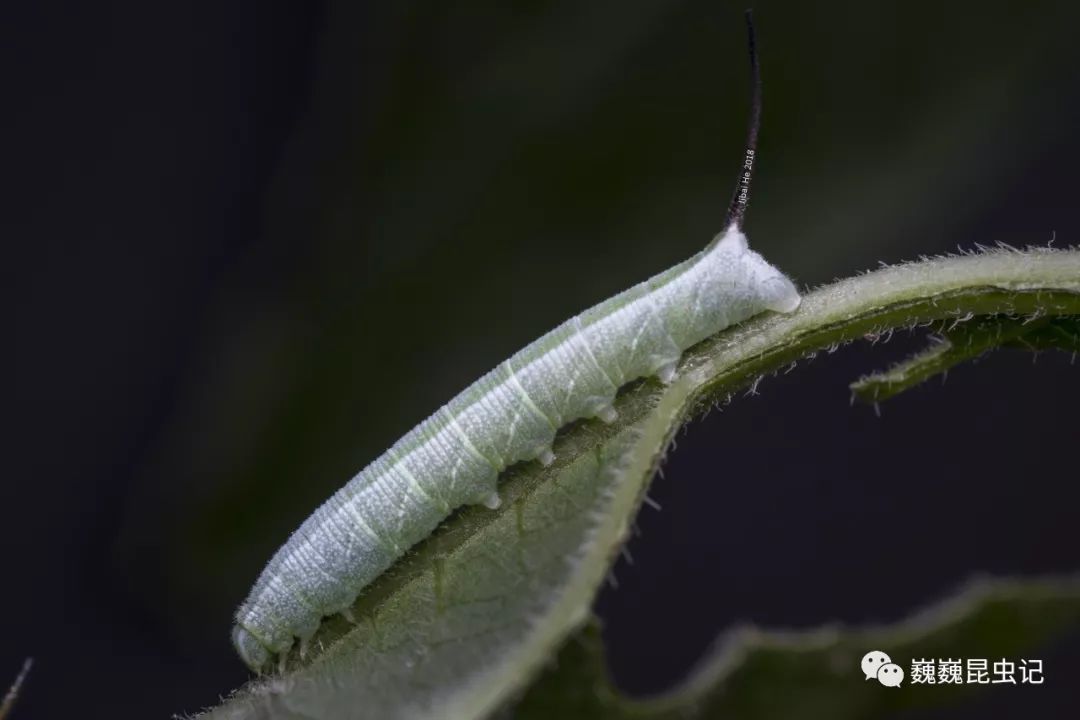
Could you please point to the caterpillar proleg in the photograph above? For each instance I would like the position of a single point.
(510, 415)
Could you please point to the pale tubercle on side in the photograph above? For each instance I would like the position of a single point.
(546, 457)
(667, 372)
(607, 414)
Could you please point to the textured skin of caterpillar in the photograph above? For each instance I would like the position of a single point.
(509, 415)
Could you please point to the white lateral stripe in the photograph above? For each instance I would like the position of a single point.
(588, 351)
(399, 465)
(660, 319)
(465, 441)
(525, 396)
(367, 528)
(313, 548)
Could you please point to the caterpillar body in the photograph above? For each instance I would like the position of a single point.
(510, 415)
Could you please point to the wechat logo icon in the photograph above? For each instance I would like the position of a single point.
(876, 664)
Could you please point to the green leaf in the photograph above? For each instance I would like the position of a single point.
(466, 620)
(955, 343)
(1059, 333)
(755, 674)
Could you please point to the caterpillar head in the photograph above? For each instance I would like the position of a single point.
(251, 650)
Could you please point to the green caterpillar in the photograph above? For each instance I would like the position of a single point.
(510, 415)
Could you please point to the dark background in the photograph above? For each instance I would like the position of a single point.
(248, 245)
